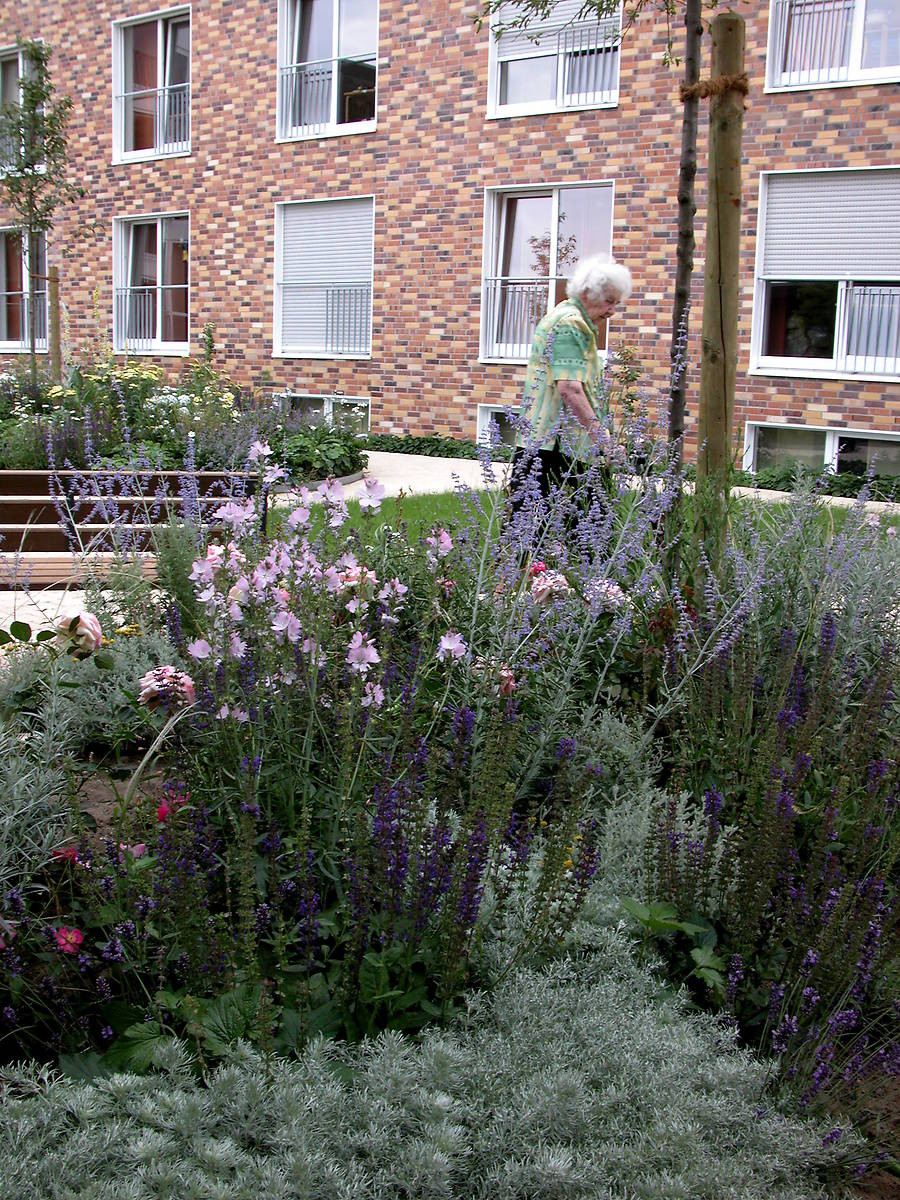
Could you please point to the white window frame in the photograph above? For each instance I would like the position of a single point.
(497, 111)
(332, 400)
(851, 76)
(832, 433)
(493, 226)
(120, 154)
(279, 350)
(839, 366)
(122, 279)
(41, 344)
(487, 413)
(333, 128)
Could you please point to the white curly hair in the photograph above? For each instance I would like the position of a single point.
(599, 278)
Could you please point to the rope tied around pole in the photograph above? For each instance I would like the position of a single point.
(704, 88)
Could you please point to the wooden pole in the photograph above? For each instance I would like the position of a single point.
(55, 325)
(720, 285)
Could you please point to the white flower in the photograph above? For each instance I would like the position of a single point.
(81, 629)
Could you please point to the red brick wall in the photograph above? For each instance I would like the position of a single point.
(428, 163)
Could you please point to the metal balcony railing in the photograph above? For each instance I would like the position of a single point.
(149, 317)
(15, 326)
(307, 104)
(327, 318)
(157, 119)
(810, 42)
(512, 308)
(590, 63)
(873, 330)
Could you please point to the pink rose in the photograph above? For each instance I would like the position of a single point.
(81, 629)
(548, 585)
(68, 940)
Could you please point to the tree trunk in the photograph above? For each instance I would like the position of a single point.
(55, 331)
(720, 286)
(687, 209)
(32, 308)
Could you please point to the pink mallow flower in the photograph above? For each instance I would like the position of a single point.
(451, 646)
(373, 696)
(361, 654)
(166, 686)
(68, 940)
(199, 649)
(440, 542)
(81, 630)
(372, 496)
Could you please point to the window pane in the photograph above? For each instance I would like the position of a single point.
(800, 320)
(857, 455)
(175, 280)
(9, 80)
(356, 99)
(315, 30)
(140, 300)
(523, 80)
(785, 447)
(817, 40)
(12, 313)
(526, 242)
(178, 52)
(881, 34)
(141, 81)
(585, 226)
(358, 28)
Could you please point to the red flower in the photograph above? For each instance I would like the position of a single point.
(163, 811)
(68, 940)
(66, 854)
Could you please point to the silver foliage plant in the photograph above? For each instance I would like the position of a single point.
(584, 1079)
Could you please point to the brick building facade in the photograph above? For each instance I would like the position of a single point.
(351, 191)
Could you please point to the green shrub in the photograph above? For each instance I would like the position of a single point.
(320, 452)
(431, 444)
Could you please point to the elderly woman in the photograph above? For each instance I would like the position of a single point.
(563, 376)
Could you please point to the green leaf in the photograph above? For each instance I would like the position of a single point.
(104, 662)
(705, 958)
(373, 977)
(5, 639)
(20, 631)
(639, 911)
(45, 635)
(230, 1018)
(136, 1049)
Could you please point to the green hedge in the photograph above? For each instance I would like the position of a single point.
(431, 444)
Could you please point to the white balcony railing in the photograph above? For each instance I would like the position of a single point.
(326, 318)
(873, 330)
(512, 309)
(589, 55)
(15, 323)
(810, 42)
(314, 97)
(156, 120)
(148, 318)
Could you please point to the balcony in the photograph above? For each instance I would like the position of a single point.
(326, 318)
(873, 330)
(810, 42)
(150, 318)
(155, 122)
(317, 98)
(512, 309)
(15, 326)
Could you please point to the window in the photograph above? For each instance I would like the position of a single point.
(150, 261)
(327, 67)
(828, 274)
(15, 317)
(152, 67)
(534, 238)
(350, 413)
(506, 428)
(562, 61)
(817, 43)
(323, 274)
(768, 447)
